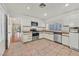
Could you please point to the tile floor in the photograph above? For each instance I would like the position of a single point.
(41, 47)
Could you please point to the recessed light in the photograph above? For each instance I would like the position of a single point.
(66, 5)
(45, 14)
(28, 8)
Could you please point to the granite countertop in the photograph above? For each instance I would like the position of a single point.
(27, 31)
(65, 32)
(65, 35)
(59, 32)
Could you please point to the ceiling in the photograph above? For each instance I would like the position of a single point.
(52, 9)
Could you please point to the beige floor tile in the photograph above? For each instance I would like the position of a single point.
(74, 53)
(40, 47)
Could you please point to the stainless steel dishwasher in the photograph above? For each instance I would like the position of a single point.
(58, 37)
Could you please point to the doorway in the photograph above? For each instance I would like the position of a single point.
(6, 32)
(16, 33)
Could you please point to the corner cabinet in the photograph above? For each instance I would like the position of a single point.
(47, 35)
(51, 37)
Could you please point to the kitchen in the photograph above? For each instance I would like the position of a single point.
(29, 23)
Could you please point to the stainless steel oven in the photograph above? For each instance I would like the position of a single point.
(35, 34)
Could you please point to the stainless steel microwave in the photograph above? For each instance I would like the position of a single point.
(34, 23)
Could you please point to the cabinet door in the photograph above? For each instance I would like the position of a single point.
(73, 37)
(55, 37)
(59, 38)
(51, 37)
(26, 38)
(65, 40)
(41, 35)
(46, 35)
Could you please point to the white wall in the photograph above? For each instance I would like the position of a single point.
(9, 30)
(2, 30)
(71, 19)
(26, 20)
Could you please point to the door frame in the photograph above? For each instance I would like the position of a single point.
(6, 32)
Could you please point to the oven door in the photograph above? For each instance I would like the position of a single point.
(35, 35)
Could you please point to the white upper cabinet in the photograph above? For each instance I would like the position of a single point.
(41, 23)
(27, 21)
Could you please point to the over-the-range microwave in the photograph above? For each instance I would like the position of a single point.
(34, 23)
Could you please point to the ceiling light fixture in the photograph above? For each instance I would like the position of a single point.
(42, 5)
(66, 5)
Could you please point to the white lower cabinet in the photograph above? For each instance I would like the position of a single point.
(51, 37)
(27, 37)
(41, 35)
(58, 38)
(46, 35)
(65, 40)
(74, 40)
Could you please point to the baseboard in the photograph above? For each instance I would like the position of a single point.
(74, 49)
(30, 41)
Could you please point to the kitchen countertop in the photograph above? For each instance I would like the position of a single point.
(27, 31)
(66, 34)
(59, 32)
